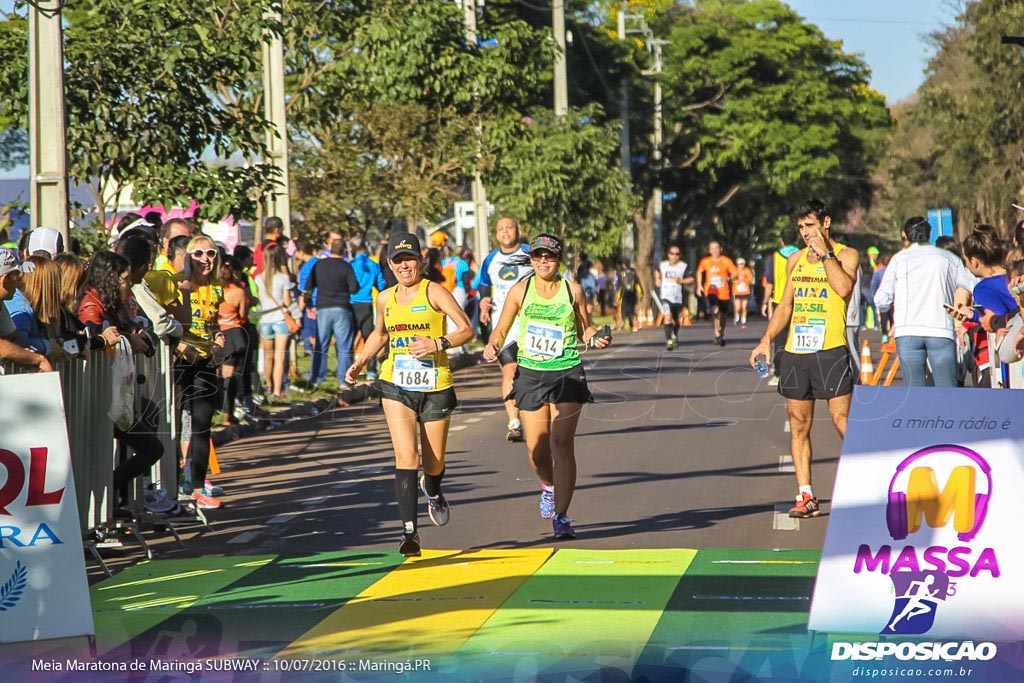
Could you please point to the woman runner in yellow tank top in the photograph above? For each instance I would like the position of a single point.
(415, 380)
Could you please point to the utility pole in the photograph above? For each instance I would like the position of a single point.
(561, 79)
(278, 201)
(47, 123)
(481, 232)
(658, 196)
(626, 244)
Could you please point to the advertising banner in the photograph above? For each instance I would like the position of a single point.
(923, 534)
(43, 588)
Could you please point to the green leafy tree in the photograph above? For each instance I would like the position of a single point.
(762, 111)
(563, 178)
(418, 109)
(142, 86)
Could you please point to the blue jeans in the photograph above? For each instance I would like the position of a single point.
(339, 323)
(940, 353)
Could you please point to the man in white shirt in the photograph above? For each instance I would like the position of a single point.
(919, 281)
(500, 270)
(670, 278)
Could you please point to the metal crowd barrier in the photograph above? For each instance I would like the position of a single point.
(87, 388)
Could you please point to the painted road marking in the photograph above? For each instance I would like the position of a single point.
(787, 427)
(282, 518)
(473, 419)
(763, 562)
(435, 602)
(245, 538)
(751, 597)
(315, 501)
(781, 521)
(786, 463)
(457, 429)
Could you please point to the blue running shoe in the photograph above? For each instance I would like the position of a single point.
(547, 504)
(563, 527)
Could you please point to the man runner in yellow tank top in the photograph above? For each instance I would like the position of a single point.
(816, 363)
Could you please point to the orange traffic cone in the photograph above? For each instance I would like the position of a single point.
(686, 317)
(867, 368)
(214, 463)
(650, 317)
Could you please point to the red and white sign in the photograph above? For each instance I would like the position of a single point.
(43, 588)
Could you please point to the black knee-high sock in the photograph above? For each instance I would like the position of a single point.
(405, 494)
(432, 482)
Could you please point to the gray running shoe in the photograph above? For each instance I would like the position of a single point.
(515, 432)
(437, 508)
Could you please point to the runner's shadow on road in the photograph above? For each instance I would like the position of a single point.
(682, 520)
(667, 427)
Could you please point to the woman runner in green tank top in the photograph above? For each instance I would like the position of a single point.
(550, 387)
(415, 382)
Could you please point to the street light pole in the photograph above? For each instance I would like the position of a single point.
(47, 122)
(278, 201)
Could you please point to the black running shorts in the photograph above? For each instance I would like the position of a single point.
(531, 389)
(822, 375)
(724, 306)
(509, 354)
(429, 406)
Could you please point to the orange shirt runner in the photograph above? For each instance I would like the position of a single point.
(715, 275)
(744, 280)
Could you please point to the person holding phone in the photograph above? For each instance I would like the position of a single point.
(816, 363)
(550, 386)
(918, 282)
(985, 254)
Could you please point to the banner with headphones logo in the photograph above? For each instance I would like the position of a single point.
(923, 531)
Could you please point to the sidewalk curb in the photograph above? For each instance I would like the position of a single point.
(304, 409)
(294, 411)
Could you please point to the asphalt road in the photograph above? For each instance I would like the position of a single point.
(683, 449)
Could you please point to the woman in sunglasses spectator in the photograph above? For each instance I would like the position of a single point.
(200, 352)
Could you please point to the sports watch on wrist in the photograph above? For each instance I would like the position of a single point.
(445, 343)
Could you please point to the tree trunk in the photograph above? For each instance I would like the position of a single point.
(644, 249)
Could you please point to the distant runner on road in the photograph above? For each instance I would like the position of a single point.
(500, 271)
(816, 363)
(670, 277)
(415, 380)
(550, 386)
(715, 275)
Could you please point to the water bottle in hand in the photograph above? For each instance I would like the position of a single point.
(761, 365)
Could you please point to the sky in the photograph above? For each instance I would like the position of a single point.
(889, 34)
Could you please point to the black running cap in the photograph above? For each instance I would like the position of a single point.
(404, 243)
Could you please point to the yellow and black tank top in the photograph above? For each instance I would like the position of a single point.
(819, 313)
(403, 323)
